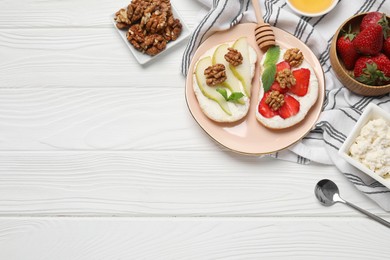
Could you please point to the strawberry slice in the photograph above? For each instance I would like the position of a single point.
(302, 77)
(290, 107)
(276, 86)
(264, 109)
(282, 65)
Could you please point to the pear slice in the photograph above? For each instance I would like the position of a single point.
(243, 71)
(207, 91)
(231, 82)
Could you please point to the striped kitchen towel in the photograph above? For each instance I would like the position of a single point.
(341, 107)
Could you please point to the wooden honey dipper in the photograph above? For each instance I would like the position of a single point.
(264, 35)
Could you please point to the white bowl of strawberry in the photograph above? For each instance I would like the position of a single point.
(360, 54)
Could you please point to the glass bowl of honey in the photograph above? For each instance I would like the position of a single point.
(311, 8)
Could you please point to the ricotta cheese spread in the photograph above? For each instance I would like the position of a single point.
(372, 147)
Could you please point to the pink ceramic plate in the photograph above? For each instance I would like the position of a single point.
(248, 136)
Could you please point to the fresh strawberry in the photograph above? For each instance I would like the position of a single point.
(302, 77)
(282, 65)
(383, 63)
(290, 107)
(360, 64)
(276, 86)
(369, 19)
(373, 70)
(370, 40)
(264, 109)
(386, 47)
(375, 18)
(346, 50)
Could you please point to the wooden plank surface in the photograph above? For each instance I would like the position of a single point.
(80, 57)
(166, 183)
(92, 145)
(88, 119)
(75, 13)
(200, 238)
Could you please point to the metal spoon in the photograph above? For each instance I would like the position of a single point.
(327, 193)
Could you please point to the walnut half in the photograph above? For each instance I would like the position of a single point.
(122, 21)
(275, 100)
(215, 74)
(136, 37)
(285, 78)
(294, 57)
(234, 57)
(173, 29)
(154, 44)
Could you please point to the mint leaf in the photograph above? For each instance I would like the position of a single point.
(268, 77)
(223, 92)
(272, 55)
(235, 96)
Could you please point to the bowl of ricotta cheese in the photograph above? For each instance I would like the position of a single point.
(368, 145)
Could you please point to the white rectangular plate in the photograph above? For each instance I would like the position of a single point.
(144, 58)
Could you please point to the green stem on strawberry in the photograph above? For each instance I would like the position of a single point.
(385, 25)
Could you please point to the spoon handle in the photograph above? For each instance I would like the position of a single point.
(375, 217)
(256, 7)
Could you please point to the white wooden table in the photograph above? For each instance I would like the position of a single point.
(101, 159)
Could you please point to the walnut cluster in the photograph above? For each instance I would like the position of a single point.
(294, 57)
(150, 44)
(285, 78)
(150, 23)
(234, 57)
(215, 74)
(275, 100)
